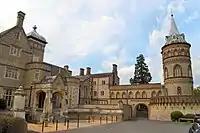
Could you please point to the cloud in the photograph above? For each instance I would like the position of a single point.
(80, 29)
(125, 70)
(73, 28)
(192, 17)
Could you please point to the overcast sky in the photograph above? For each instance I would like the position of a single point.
(98, 33)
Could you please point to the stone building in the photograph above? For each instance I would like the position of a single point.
(51, 89)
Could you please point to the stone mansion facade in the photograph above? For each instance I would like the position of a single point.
(53, 89)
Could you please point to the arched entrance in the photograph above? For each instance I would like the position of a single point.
(41, 97)
(141, 111)
(56, 100)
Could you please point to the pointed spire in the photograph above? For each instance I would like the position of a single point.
(173, 27)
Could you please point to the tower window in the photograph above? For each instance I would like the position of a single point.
(177, 71)
(36, 76)
(36, 58)
(189, 71)
(166, 73)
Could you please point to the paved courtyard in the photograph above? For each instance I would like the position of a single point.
(139, 126)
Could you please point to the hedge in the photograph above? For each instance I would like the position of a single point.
(176, 115)
(189, 116)
(2, 103)
(9, 124)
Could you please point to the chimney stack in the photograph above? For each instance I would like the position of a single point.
(88, 72)
(70, 73)
(20, 18)
(81, 72)
(66, 67)
(114, 70)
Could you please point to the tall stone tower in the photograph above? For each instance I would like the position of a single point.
(176, 61)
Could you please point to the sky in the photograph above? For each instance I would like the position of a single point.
(98, 33)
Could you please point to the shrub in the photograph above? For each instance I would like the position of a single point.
(176, 115)
(10, 124)
(2, 103)
(189, 116)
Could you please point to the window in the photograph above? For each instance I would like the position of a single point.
(189, 71)
(37, 74)
(12, 73)
(18, 35)
(102, 93)
(14, 51)
(8, 95)
(94, 82)
(178, 90)
(166, 73)
(36, 58)
(177, 71)
(95, 93)
(103, 82)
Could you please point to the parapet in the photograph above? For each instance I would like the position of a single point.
(175, 100)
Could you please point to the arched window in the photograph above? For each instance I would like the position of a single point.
(178, 90)
(153, 94)
(189, 71)
(124, 95)
(130, 94)
(144, 94)
(159, 93)
(112, 95)
(177, 71)
(137, 94)
(166, 91)
(166, 73)
(117, 95)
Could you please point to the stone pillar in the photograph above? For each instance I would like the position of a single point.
(19, 103)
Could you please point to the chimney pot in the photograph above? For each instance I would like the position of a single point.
(81, 72)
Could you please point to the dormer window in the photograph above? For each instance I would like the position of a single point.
(15, 51)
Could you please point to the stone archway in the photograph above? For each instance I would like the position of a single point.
(141, 111)
(40, 99)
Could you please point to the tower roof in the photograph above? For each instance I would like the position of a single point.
(174, 35)
(35, 35)
(173, 28)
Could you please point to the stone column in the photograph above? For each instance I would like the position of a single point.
(19, 103)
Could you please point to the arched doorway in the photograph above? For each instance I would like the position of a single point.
(141, 111)
(56, 100)
(41, 97)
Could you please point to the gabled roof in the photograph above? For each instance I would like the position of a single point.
(6, 31)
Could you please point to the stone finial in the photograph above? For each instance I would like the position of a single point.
(34, 27)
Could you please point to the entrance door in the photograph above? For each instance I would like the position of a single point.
(142, 111)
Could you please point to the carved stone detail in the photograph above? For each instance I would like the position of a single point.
(178, 80)
(176, 60)
(175, 38)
